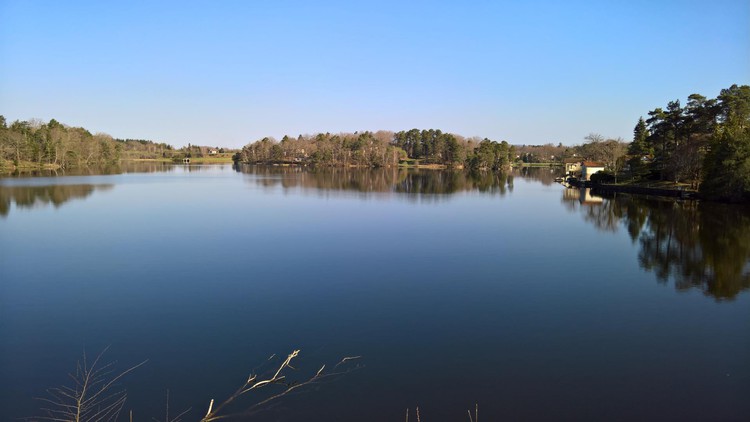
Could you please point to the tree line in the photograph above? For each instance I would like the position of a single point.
(35, 143)
(325, 149)
(381, 149)
(705, 143)
(54, 144)
(144, 149)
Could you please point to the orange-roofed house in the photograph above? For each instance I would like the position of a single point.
(590, 167)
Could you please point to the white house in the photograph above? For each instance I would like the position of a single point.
(590, 167)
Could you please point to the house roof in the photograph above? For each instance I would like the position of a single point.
(592, 164)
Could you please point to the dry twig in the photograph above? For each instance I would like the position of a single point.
(177, 418)
(278, 378)
(93, 397)
(476, 413)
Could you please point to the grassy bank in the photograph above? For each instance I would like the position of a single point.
(7, 167)
(219, 159)
(211, 160)
(654, 184)
(417, 164)
(538, 165)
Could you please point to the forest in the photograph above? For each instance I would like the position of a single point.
(704, 146)
(706, 143)
(381, 148)
(36, 144)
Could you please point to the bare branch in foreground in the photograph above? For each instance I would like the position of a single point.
(278, 378)
(476, 413)
(177, 418)
(93, 397)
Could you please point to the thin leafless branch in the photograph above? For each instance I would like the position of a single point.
(278, 378)
(93, 396)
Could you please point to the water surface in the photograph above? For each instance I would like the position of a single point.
(509, 291)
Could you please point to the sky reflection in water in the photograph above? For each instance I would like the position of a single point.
(456, 289)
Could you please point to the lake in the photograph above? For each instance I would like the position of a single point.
(534, 301)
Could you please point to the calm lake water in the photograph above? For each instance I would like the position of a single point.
(534, 301)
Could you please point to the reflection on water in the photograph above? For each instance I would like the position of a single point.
(33, 196)
(582, 196)
(21, 188)
(383, 180)
(201, 267)
(697, 245)
(123, 167)
(543, 175)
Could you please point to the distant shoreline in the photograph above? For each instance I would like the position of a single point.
(8, 167)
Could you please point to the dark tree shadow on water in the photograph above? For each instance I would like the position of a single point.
(696, 245)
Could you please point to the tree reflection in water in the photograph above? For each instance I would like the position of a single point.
(409, 182)
(119, 168)
(32, 196)
(543, 175)
(28, 196)
(696, 244)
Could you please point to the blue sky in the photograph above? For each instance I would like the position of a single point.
(228, 73)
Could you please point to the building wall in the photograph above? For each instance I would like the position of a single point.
(572, 167)
(586, 172)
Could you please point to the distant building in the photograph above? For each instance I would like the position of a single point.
(572, 165)
(212, 152)
(589, 168)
